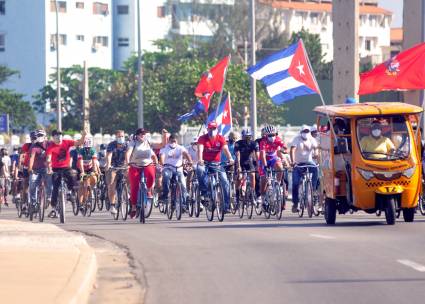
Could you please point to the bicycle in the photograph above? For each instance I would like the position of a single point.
(144, 204)
(215, 202)
(39, 206)
(274, 196)
(102, 191)
(194, 201)
(246, 195)
(176, 197)
(122, 196)
(230, 173)
(61, 200)
(305, 191)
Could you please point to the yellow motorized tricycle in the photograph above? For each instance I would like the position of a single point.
(370, 159)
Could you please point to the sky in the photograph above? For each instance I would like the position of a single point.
(396, 6)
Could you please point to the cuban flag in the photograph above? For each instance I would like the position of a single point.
(200, 107)
(224, 116)
(286, 74)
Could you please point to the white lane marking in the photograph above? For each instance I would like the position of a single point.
(322, 236)
(411, 264)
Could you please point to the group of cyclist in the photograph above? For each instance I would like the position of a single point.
(78, 163)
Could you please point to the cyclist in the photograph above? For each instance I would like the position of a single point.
(115, 157)
(4, 175)
(210, 146)
(140, 156)
(23, 169)
(58, 162)
(303, 149)
(172, 155)
(271, 157)
(37, 167)
(192, 149)
(8, 164)
(87, 164)
(246, 151)
(101, 156)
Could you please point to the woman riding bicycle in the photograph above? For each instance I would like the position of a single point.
(140, 157)
(89, 170)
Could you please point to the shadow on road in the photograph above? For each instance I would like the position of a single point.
(343, 281)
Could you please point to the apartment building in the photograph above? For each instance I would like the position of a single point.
(28, 38)
(316, 17)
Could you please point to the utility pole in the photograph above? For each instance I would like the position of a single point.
(86, 101)
(246, 53)
(140, 120)
(253, 81)
(58, 72)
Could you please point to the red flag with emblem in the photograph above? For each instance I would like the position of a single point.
(213, 80)
(405, 71)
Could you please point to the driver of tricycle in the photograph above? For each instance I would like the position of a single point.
(375, 144)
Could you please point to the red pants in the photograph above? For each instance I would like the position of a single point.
(134, 179)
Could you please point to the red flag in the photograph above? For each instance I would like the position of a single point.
(405, 71)
(213, 80)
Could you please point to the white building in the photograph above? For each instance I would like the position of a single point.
(28, 45)
(316, 17)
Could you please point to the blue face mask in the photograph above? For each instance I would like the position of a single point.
(120, 140)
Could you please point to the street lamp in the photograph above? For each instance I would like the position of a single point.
(58, 73)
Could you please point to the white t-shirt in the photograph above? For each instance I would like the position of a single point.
(141, 154)
(304, 149)
(173, 157)
(193, 154)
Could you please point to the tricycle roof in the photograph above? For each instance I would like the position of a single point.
(369, 109)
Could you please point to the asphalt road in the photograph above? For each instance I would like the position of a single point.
(359, 260)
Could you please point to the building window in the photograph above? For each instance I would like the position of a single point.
(368, 44)
(61, 6)
(122, 9)
(62, 41)
(160, 11)
(80, 37)
(79, 5)
(2, 7)
(123, 42)
(98, 42)
(100, 8)
(2, 43)
(314, 18)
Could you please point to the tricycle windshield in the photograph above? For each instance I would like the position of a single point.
(383, 138)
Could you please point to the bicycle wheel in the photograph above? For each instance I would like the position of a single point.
(61, 205)
(309, 198)
(18, 203)
(124, 203)
(41, 201)
(93, 201)
(233, 203)
(75, 206)
(170, 206)
(210, 204)
(422, 204)
(316, 203)
(179, 202)
(249, 201)
(197, 201)
(31, 211)
(267, 202)
(141, 202)
(89, 202)
(191, 202)
(301, 202)
(99, 200)
(148, 207)
(242, 202)
(219, 202)
(279, 201)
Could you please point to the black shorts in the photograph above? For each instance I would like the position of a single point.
(247, 166)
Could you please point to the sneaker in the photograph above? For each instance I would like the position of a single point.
(132, 213)
(294, 208)
(113, 210)
(52, 214)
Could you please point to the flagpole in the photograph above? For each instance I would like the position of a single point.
(222, 87)
(230, 108)
(317, 86)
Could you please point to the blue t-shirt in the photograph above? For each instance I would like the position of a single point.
(118, 153)
(231, 146)
(14, 159)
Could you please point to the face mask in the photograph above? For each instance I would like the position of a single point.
(376, 133)
(304, 136)
(248, 139)
(212, 132)
(120, 140)
(270, 138)
(57, 138)
(173, 145)
(40, 139)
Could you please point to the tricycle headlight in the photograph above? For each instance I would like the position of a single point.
(367, 175)
(409, 172)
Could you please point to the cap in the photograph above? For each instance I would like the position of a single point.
(56, 132)
(212, 125)
(304, 128)
(313, 128)
(140, 131)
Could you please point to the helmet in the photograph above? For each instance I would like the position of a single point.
(33, 135)
(246, 133)
(40, 133)
(270, 130)
(212, 125)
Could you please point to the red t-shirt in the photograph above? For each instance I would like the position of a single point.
(212, 147)
(271, 148)
(60, 153)
(26, 151)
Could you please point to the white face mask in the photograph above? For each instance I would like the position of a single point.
(120, 140)
(376, 133)
(40, 139)
(213, 132)
(304, 136)
(173, 145)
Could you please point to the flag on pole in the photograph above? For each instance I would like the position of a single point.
(201, 106)
(224, 116)
(286, 74)
(405, 71)
(212, 81)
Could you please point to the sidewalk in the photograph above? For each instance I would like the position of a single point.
(41, 263)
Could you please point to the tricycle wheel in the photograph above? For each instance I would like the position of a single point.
(409, 214)
(390, 213)
(330, 211)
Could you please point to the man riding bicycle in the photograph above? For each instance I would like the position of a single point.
(171, 158)
(193, 152)
(246, 151)
(210, 146)
(115, 158)
(303, 150)
(58, 162)
(87, 164)
(38, 167)
(270, 157)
